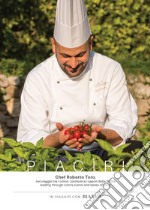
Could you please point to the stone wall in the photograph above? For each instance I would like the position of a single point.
(11, 88)
(10, 91)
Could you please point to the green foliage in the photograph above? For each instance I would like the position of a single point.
(17, 156)
(121, 27)
(121, 30)
(25, 156)
(145, 130)
(26, 27)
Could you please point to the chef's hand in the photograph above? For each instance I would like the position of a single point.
(89, 139)
(64, 139)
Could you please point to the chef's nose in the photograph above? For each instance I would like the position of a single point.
(73, 62)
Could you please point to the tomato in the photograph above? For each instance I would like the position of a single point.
(78, 131)
(84, 132)
(66, 132)
(86, 127)
(71, 136)
(76, 127)
(71, 130)
(77, 134)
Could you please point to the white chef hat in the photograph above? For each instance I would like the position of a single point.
(71, 24)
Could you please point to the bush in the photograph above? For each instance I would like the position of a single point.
(121, 27)
(121, 30)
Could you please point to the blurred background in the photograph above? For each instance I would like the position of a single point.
(121, 30)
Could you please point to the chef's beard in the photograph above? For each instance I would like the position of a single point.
(74, 72)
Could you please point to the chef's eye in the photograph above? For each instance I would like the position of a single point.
(65, 55)
(81, 54)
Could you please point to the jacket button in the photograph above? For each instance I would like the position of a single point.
(90, 79)
(61, 108)
(94, 104)
(58, 82)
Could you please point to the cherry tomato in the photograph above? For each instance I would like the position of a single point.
(84, 132)
(77, 134)
(71, 136)
(66, 132)
(86, 127)
(78, 131)
(76, 127)
(71, 130)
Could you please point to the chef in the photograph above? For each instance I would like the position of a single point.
(76, 85)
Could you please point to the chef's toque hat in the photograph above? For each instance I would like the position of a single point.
(71, 24)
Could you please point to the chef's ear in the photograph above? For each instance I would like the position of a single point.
(91, 41)
(53, 45)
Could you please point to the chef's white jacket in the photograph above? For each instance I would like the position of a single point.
(98, 96)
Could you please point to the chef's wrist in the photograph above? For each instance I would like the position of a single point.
(52, 140)
(101, 134)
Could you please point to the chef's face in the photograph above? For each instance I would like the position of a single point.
(72, 60)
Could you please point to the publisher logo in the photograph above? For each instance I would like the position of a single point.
(125, 192)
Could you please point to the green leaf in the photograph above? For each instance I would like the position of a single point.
(87, 158)
(12, 165)
(28, 145)
(120, 148)
(19, 151)
(98, 159)
(5, 157)
(11, 142)
(106, 146)
(68, 155)
(68, 168)
(79, 156)
(26, 155)
(7, 151)
(50, 166)
(40, 143)
(39, 166)
(124, 155)
(45, 153)
(136, 6)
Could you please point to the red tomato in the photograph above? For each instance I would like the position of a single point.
(71, 137)
(77, 134)
(66, 132)
(71, 130)
(76, 127)
(84, 132)
(86, 127)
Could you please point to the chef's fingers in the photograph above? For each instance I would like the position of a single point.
(94, 135)
(59, 126)
(89, 139)
(83, 141)
(70, 142)
(63, 138)
(75, 145)
(96, 128)
(79, 147)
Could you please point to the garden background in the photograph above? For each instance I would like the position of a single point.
(121, 30)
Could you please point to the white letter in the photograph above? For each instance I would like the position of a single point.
(30, 166)
(109, 166)
(60, 165)
(44, 165)
(74, 165)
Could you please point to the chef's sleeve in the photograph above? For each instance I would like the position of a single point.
(121, 107)
(33, 122)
